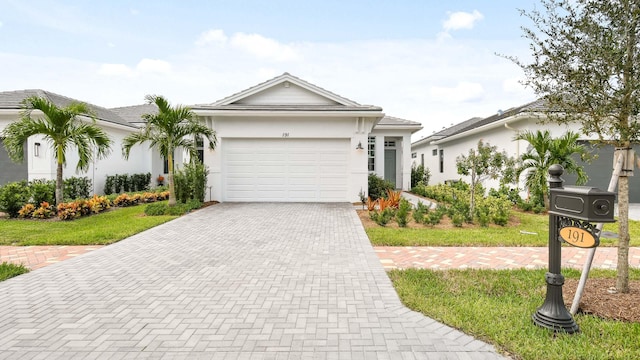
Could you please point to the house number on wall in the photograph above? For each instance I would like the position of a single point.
(284, 135)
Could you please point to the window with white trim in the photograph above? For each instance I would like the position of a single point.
(371, 151)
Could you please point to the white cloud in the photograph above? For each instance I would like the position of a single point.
(1, 24)
(461, 20)
(264, 48)
(134, 12)
(463, 92)
(153, 66)
(111, 45)
(116, 70)
(211, 37)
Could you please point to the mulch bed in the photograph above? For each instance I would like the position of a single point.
(601, 300)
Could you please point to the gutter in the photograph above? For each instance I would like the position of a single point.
(486, 127)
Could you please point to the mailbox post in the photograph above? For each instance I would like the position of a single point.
(571, 211)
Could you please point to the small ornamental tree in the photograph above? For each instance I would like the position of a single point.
(586, 66)
(482, 163)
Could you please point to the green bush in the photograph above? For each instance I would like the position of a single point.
(42, 191)
(77, 188)
(378, 187)
(156, 209)
(419, 213)
(383, 217)
(419, 175)
(402, 215)
(13, 196)
(191, 182)
(109, 185)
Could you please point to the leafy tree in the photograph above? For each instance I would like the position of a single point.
(546, 151)
(169, 129)
(483, 163)
(63, 129)
(586, 66)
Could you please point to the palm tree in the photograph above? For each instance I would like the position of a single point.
(170, 128)
(546, 151)
(62, 128)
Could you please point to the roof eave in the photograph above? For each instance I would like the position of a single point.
(493, 125)
(289, 113)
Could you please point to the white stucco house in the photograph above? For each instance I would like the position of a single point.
(282, 140)
(439, 151)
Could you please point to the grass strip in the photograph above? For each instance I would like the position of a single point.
(101, 229)
(9, 270)
(532, 230)
(496, 306)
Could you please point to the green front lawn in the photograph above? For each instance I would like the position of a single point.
(496, 306)
(100, 229)
(527, 230)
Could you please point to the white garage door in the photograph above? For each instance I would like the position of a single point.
(289, 170)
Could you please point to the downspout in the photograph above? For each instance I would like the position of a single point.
(506, 125)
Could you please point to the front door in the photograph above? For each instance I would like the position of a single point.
(390, 165)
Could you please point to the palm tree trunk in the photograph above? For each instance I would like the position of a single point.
(172, 187)
(622, 282)
(59, 183)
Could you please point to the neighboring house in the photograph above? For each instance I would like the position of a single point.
(282, 140)
(39, 162)
(439, 151)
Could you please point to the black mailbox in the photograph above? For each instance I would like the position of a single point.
(583, 203)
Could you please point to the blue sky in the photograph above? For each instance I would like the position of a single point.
(427, 61)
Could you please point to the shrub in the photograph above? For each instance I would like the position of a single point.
(69, 210)
(191, 182)
(13, 196)
(419, 213)
(382, 217)
(420, 175)
(45, 211)
(26, 211)
(457, 219)
(378, 187)
(393, 198)
(109, 185)
(42, 191)
(123, 200)
(77, 188)
(499, 209)
(371, 204)
(156, 209)
(98, 204)
(482, 214)
(402, 215)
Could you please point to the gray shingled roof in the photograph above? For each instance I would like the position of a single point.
(537, 105)
(394, 121)
(13, 100)
(133, 114)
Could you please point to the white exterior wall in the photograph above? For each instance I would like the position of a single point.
(496, 134)
(354, 129)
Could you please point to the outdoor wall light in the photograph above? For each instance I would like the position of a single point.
(36, 149)
(359, 147)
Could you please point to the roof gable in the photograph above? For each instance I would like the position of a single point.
(286, 89)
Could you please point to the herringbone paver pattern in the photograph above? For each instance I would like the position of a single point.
(263, 281)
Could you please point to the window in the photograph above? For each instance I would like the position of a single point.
(390, 143)
(371, 150)
(434, 152)
(422, 159)
(414, 155)
(441, 160)
(200, 149)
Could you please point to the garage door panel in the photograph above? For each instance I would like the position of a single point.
(285, 169)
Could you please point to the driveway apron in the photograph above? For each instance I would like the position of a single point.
(263, 281)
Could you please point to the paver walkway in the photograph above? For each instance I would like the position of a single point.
(230, 281)
(36, 257)
(441, 258)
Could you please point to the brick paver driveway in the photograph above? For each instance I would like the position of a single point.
(230, 281)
